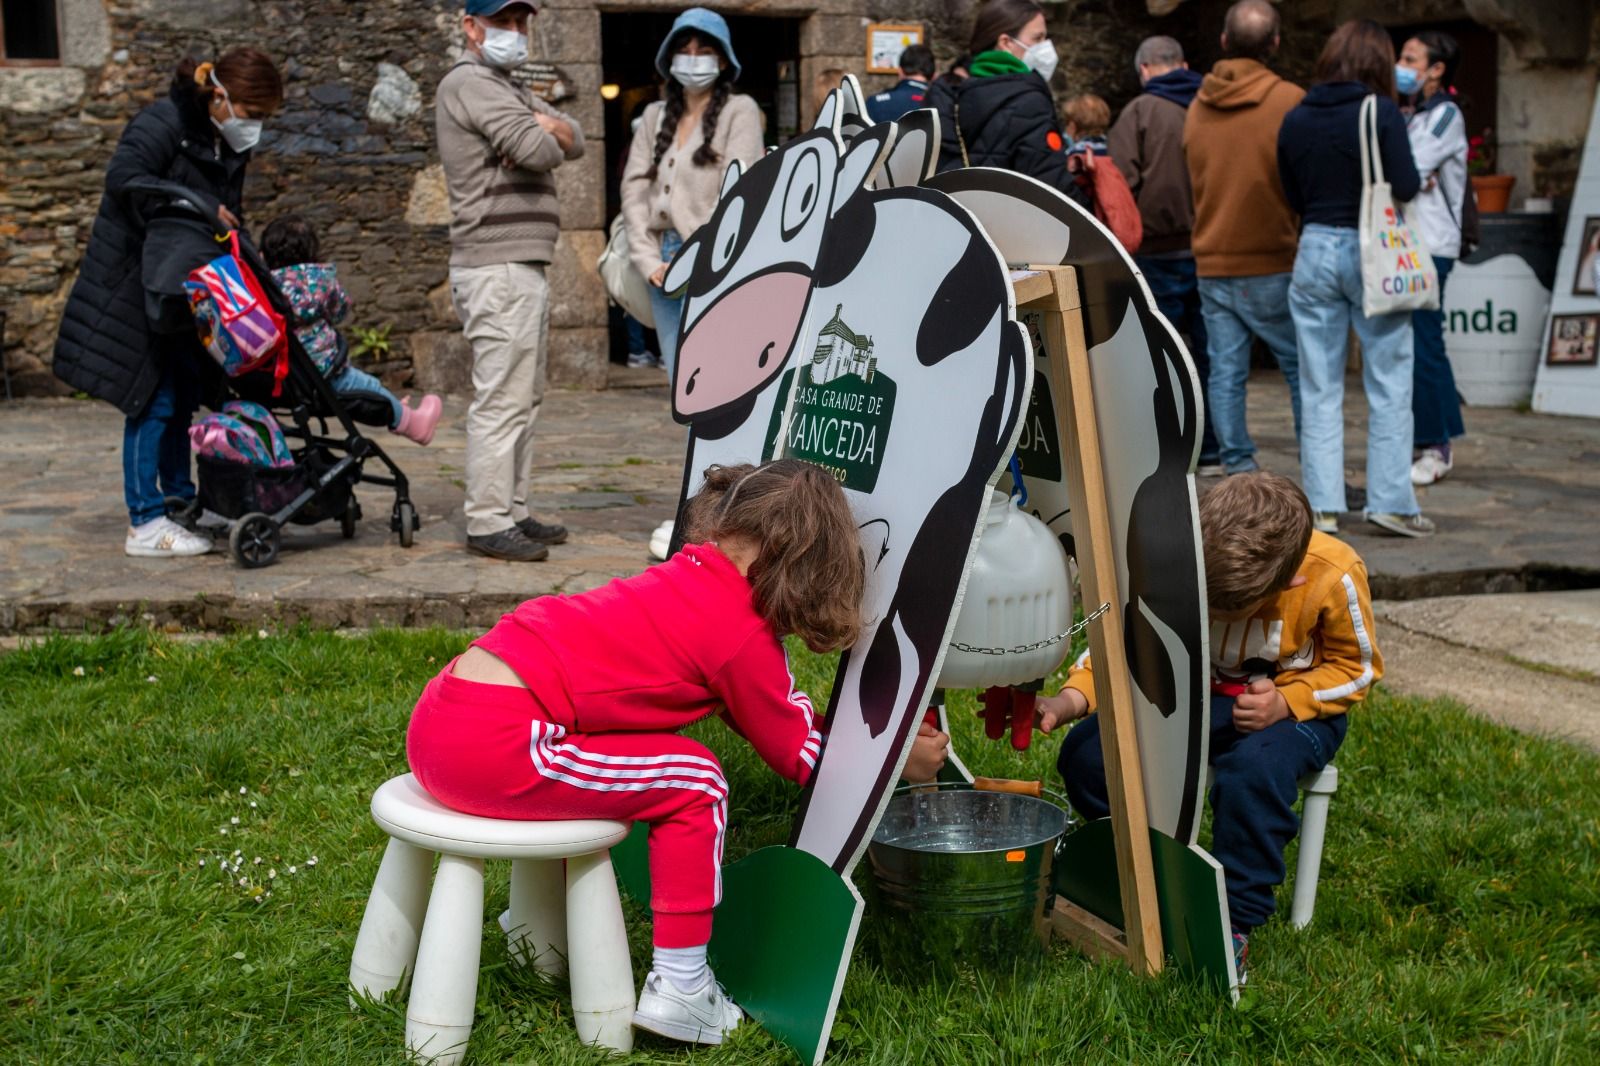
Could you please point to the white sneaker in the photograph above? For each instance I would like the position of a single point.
(702, 1017)
(642, 359)
(164, 539)
(1432, 465)
(661, 540)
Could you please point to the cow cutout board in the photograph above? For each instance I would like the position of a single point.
(838, 312)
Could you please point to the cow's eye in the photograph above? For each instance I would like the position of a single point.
(800, 198)
(728, 233)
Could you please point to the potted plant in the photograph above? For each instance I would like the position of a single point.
(1492, 190)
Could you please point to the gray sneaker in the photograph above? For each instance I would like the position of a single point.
(1404, 525)
(511, 545)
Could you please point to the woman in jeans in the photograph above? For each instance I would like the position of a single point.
(1319, 160)
(200, 138)
(679, 154)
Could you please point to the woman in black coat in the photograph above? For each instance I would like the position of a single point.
(199, 138)
(1003, 115)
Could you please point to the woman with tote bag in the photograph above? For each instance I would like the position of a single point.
(679, 154)
(1320, 159)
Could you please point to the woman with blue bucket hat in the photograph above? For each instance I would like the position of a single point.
(680, 151)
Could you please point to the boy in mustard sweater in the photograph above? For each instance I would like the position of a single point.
(1292, 649)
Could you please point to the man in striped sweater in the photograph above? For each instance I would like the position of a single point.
(499, 145)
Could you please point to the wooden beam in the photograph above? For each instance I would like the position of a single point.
(1078, 425)
(1095, 938)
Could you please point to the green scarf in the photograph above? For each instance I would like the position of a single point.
(995, 61)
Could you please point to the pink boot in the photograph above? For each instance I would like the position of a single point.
(418, 425)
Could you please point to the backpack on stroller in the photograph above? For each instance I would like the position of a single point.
(262, 491)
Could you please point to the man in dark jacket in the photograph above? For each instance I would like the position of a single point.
(194, 144)
(1147, 145)
(916, 70)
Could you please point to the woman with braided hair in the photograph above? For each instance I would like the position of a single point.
(680, 152)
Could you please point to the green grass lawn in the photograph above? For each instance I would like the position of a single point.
(1459, 918)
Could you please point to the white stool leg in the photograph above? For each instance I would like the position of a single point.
(445, 986)
(386, 946)
(1308, 867)
(538, 932)
(602, 973)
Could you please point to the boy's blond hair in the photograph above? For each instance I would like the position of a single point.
(1090, 114)
(1254, 530)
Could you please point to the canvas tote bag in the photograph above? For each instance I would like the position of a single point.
(628, 289)
(1397, 273)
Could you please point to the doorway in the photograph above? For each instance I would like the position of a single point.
(769, 57)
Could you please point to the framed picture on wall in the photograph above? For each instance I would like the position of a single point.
(1583, 283)
(1574, 341)
(885, 42)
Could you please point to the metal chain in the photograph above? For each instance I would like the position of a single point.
(1021, 649)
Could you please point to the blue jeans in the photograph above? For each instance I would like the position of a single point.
(1325, 298)
(1255, 781)
(350, 380)
(1172, 283)
(1435, 406)
(635, 328)
(668, 311)
(1235, 309)
(155, 443)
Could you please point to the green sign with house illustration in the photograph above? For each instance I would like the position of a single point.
(841, 411)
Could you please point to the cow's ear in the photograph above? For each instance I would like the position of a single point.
(916, 150)
(682, 268)
(828, 113)
(860, 163)
(730, 178)
(852, 109)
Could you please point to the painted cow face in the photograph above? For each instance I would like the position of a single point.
(747, 275)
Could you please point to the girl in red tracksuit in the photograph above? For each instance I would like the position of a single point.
(569, 707)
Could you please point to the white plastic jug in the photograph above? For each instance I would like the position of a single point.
(1018, 593)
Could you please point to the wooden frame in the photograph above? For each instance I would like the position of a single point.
(875, 29)
(1580, 349)
(6, 61)
(1053, 290)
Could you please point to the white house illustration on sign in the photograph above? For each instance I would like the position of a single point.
(841, 351)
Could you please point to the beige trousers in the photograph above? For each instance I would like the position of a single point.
(505, 313)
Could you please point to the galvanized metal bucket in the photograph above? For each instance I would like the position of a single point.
(965, 875)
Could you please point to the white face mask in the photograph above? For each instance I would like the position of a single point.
(242, 134)
(695, 72)
(506, 49)
(1042, 58)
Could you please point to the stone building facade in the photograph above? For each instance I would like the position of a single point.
(353, 148)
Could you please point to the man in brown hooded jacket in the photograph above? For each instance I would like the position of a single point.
(1245, 235)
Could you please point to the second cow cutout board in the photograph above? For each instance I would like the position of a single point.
(844, 307)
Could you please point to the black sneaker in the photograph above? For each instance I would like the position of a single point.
(1355, 497)
(534, 529)
(508, 544)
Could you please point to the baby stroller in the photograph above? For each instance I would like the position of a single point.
(320, 484)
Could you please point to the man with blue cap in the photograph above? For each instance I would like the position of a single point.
(499, 144)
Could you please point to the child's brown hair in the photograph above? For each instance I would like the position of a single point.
(1254, 529)
(809, 575)
(1090, 115)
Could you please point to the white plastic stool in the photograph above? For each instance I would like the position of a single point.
(442, 934)
(1319, 789)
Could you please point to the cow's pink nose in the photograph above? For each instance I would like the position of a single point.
(741, 341)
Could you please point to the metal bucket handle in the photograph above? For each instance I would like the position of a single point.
(1012, 785)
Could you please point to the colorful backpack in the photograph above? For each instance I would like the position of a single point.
(237, 324)
(242, 432)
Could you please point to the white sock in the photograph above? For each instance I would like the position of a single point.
(686, 968)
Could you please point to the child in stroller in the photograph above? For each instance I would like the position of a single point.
(290, 247)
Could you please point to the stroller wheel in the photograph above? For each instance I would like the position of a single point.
(254, 541)
(348, 520)
(405, 522)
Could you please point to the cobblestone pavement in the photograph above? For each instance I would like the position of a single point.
(1519, 512)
